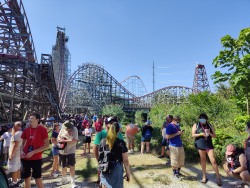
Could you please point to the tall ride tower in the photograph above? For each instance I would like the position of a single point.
(200, 83)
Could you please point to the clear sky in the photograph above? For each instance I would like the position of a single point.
(126, 36)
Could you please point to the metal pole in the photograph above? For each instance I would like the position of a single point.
(153, 76)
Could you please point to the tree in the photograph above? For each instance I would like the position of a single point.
(235, 57)
(113, 110)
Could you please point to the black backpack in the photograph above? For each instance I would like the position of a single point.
(104, 163)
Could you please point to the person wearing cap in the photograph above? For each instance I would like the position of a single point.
(131, 129)
(147, 131)
(203, 132)
(55, 152)
(14, 162)
(101, 135)
(35, 141)
(235, 163)
(6, 137)
(68, 134)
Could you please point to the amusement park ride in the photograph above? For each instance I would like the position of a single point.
(49, 87)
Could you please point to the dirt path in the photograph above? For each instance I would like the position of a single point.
(147, 171)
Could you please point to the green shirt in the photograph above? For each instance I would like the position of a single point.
(3, 183)
(102, 135)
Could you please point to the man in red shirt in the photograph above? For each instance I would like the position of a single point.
(35, 141)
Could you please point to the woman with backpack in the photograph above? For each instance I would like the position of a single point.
(147, 131)
(116, 151)
(203, 132)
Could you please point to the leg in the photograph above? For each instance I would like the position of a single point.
(27, 182)
(19, 174)
(89, 146)
(14, 176)
(203, 162)
(214, 164)
(162, 150)
(72, 171)
(5, 157)
(39, 183)
(85, 145)
(142, 147)
(147, 146)
(54, 164)
(64, 172)
(128, 146)
(133, 145)
(245, 176)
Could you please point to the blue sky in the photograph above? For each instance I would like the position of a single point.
(126, 36)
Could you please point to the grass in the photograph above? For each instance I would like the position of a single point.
(162, 178)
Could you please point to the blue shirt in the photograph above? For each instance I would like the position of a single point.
(95, 118)
(54, 134)
(175, 141)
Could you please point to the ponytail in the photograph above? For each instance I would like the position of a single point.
(112, 134)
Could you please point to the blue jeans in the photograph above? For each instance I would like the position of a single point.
(115, 178)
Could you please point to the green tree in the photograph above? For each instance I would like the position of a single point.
(235, 57)
(113, 110)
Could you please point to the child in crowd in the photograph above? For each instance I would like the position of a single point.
(87, 138)
(6, 137)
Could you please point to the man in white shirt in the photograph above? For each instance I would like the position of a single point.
(6, 137)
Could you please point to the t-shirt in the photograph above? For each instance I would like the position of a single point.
(175, 141)
(88, 132)
(55, 135)
(85, 122)
(3, 180)
(131, 129)
(118, 149)
(102, 135)
(90, 122)
(164, 126)
(95, 118)
(71, 147)
(7, 136)
(14, 138)
(101, 121)
(145, 128)
(39, 134)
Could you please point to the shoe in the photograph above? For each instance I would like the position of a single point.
(176, 177)
(14, 185)
(129, 151)
(58, 172)
(140, 153)
(161, 156)
(147, 152)
(10, 180)
(133, 150)
(89, 153)
(168, 163)
(54, 175)
(4, 163)
(63, 182)
(181, 175)
(238, 182)
(83, 154)
(73, 185)
(20, 181)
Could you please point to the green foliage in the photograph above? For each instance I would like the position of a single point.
(113, 110)
(139, 117)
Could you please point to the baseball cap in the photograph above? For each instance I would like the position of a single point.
(149, 122)
(230, 149)
(112, 119)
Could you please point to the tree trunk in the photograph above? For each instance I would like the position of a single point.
(247, 98)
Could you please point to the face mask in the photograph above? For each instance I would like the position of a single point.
(202, 120)
(247, 130)
(177, 123)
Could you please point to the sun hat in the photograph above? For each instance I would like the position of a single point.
(149, 122)
(230, 149)
(67, 125)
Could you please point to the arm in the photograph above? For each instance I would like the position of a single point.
(126, 164)
(162, 132)
(95, 151)
(22, 154)
(44, 147)
(194, 129)
(174, 135)
(214, 134)
(242, 167)
(15, 144)
(53, 140)
(1, 139)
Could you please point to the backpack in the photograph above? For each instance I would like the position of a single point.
(98, 127)
(104, 164)
(60, 145)
(147, 134)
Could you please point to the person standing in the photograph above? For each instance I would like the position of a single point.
(131, 129)
(95, 118)
(165, 141)
(147, 131)
(90, 122)
(55, 152)
(87, 139)
(118, 157)
(85, 122)
(173, 132)
(204, 144)
(100, 121)
(35, 141)
(69, 135)
(98, 127)
(6, 137)
(14, 162)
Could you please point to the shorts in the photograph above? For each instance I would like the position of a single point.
(0, 145)
(130, 139)
(205, 149)
(79, 127)
(87, 139)
(27, 165)
(6, 149)
(177, 156)
(143, 139)
(165, 143)
(55, 151)
(14, 165)
(67, 160)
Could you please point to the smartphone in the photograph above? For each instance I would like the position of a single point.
(183, 130)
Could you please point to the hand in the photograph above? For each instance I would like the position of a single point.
(10, 157)
(203, 134)
(22, 154)
(179, 133)
(230, 174)
(127, 177)
(30, 154)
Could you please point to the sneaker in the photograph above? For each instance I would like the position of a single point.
(54, 175)
(181, 175)
(89, 153)
(161, 156)
(168, 163)
(4, 163)
(129, 151)
(238, 182)
(13, 185)
(147, 152)
(63, 182)
(20, 181)
(58, 172)
(10, 180)
(73, 185)
(140, 153)
(83, 154)
(176, 177)
(133, 150)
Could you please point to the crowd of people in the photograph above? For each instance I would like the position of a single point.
(24, 143)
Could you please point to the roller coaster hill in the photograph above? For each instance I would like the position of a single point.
(49, 87)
